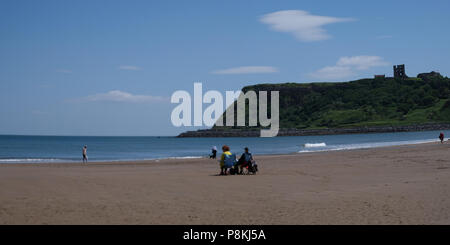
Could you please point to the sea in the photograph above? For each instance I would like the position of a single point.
(35, 149)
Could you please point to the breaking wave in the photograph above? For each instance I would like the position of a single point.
(312, 145)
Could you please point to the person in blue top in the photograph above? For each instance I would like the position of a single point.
(244, 160)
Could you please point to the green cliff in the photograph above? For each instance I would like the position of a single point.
(365, 102)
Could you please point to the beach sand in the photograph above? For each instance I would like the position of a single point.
(392, 185)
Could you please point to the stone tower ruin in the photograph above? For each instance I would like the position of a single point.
(399, 72)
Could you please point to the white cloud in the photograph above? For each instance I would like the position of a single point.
(333, 73)
(347, 67)
(64, 71)
(247, 70)
(120, 96)
(130, 68)
(384, 37)
(39, 112)
(303, 25)
(362, 62)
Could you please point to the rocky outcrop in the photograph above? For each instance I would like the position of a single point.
(304, 132)
(429, 76)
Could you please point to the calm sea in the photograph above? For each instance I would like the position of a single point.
(29, 149)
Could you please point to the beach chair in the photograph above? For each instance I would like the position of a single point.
(248, 165)
(251, 167)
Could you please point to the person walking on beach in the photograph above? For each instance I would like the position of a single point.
(85, 158)
(441, 137)
(214, 153)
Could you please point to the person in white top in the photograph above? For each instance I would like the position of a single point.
(85, 159)
(214, 152)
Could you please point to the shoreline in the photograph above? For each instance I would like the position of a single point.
(121, 161)
(195, 159)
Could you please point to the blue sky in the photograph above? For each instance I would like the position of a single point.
(108, 67)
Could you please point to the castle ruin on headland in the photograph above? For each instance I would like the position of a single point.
(399, 72)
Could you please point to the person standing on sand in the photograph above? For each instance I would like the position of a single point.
(85, 159)
(214, 152)
(441, 137)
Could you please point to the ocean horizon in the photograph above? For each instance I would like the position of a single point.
(43, 149)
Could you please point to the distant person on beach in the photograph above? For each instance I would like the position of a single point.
(214, 153)
(246, 159)
(441, 137)
(85, 158)
(226, 152)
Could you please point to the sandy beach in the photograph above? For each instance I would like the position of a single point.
(392, 185)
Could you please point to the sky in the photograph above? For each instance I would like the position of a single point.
(109, 68)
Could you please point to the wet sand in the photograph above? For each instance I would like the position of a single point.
(391, 185)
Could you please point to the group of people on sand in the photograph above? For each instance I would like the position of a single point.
(230, 165)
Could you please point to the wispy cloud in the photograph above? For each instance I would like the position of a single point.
(64, 71)
(348, 67)
(329, 73)
(129, 68)
(384, 37)
(38, 112)
(362, 62)
(247, 70)
(303, 25)
(120, 96)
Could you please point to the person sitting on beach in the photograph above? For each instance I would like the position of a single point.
(245, 160)
(214, 153)
(226, 154)
(85, 159)
(441, 137)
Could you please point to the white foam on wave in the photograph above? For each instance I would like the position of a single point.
(165, 158)
(368, 145)
(312, 145)
(57, 160)
(30, 160)
(188, 157)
